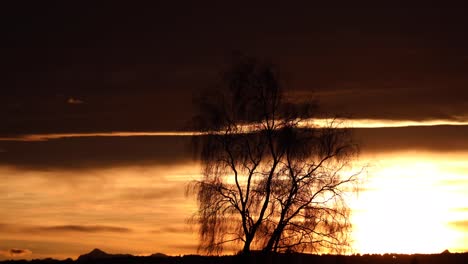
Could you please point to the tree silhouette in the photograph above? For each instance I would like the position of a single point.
(269, 182)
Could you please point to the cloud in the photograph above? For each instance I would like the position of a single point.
(79, 228)
(172, 229)
(314, 122)
(92, 152)
(74, 101)
(45, 137)
(15, 252)
(394, 102)
(166, 193)
(433, 138)
(111, 151)
(384, 123)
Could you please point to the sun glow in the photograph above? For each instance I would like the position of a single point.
(407, 206)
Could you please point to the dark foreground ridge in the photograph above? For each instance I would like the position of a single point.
(98, 256)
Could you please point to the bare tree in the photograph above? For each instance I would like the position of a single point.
(269, 182)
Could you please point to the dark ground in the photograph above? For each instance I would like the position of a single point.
(461, 258)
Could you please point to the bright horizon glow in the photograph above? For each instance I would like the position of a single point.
(409, 205)
(318, 122)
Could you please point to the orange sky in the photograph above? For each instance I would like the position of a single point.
(410, 202)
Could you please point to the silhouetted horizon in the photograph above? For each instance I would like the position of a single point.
(99, 256)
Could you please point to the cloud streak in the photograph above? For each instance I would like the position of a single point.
(382, 123)
(353, 123)
(171, 229)
(153, 193)
(45, 137)
(74, 101)
(79, 228)
(15, 252)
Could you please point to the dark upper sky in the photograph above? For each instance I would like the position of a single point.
(77, 67)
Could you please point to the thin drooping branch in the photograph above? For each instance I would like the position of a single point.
(269, 183)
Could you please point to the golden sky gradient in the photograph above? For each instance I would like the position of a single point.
(409, 202)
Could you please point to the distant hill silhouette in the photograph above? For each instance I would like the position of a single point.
(98, 256)
(159, 255)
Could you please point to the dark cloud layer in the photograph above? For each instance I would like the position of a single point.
(63, 228)
(92, 152)
(417, 102)
(79, 228)
(15, 252)
(159, 194)
(136, 68)
(172, 229)
(434, 138)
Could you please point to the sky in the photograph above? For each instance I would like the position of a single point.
(116, 84)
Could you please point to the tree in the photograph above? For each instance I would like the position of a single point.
(270, 181)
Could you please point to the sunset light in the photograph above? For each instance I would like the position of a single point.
(222, 132)
(410, 203)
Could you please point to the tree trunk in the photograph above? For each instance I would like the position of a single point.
(274, 237)
(248, 241)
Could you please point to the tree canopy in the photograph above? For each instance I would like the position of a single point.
(270, 181)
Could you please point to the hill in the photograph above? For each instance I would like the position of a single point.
(97, 254)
